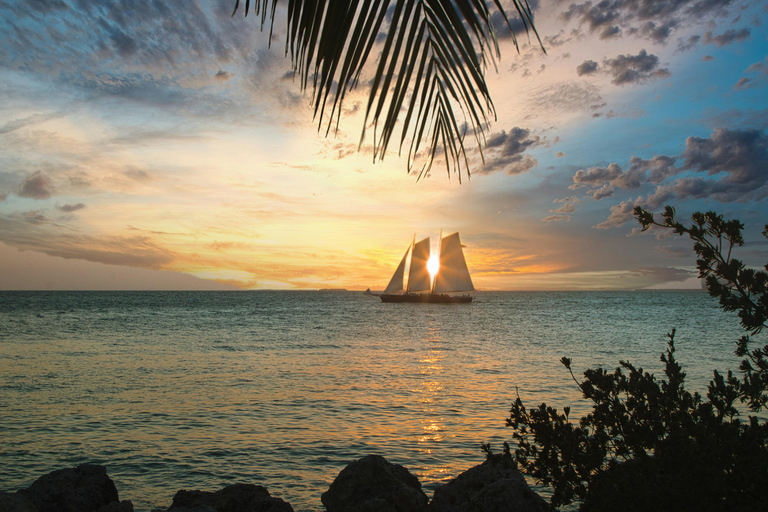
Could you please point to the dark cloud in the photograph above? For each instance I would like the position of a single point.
(655, 20)
(656, 33)
(729, 166)
(519, 29)
(602, 192)
(33, 217)
(137, 174)
(707, 58)
(683, 45)
(740, 157)
(610, 32)
(34, 231)
(620, 214)
(665, 274)
(37, 186)
(125, 45)
(69, 208)
(743, 83)
(506, 152)
(222, 75)
(727, 37)
(638, 68)
(759, 70)
(587, 67)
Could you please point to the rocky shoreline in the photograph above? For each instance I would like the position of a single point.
(370, 484)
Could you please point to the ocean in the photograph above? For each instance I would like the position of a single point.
(198, 390)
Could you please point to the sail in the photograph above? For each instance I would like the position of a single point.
(418, 278)
(396, 283)
(453, 275)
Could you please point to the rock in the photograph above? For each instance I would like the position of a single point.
(233, 498)
(15, 502)
(85, 488)
(372, 484)
(494, 486)
(122, 506)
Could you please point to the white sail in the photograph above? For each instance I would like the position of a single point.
(453, 275)
(396, 283)
(418, 276)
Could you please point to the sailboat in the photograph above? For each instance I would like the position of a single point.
(451, 279)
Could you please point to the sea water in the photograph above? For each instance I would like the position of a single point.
(198, 390)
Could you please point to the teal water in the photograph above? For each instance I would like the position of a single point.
(198, 390)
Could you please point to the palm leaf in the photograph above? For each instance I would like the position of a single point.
(430, 67)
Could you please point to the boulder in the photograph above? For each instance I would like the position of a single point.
(233, 498)
(496, 485)
(15, 502)
(115, 506)
(373, 484)
(86, 488)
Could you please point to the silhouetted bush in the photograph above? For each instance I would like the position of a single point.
(650, 444)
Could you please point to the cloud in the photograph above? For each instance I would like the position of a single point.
(567, 96)
(37, 186)
(137, 175)
(223, 76)
(620, 214)
(759, 70)
(586, 68)
(17, 124)
(729, 166)
(683, 45)
(506, 151)
(665, 274)
(627, 69)
(69, 208)
(568, 205)
(34, 231)
(743, 83)
(655, 20)
(602, 192)
(557, 218)
(727, 37)
(500, 24)
(656, 33)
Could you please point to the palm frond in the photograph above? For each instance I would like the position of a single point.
(431, 65)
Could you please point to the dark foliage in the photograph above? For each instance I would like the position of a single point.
(737, 287)
(650, 444)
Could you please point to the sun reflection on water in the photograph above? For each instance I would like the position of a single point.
(432, 389)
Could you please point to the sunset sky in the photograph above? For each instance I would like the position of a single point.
(160, 145)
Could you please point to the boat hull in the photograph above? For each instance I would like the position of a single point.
(431, 298)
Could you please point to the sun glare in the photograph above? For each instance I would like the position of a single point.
(433, 265)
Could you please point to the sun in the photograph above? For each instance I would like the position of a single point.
(433, 265)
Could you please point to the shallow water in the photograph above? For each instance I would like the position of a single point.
(175, 390)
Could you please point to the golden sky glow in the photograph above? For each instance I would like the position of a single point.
(195, 159)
